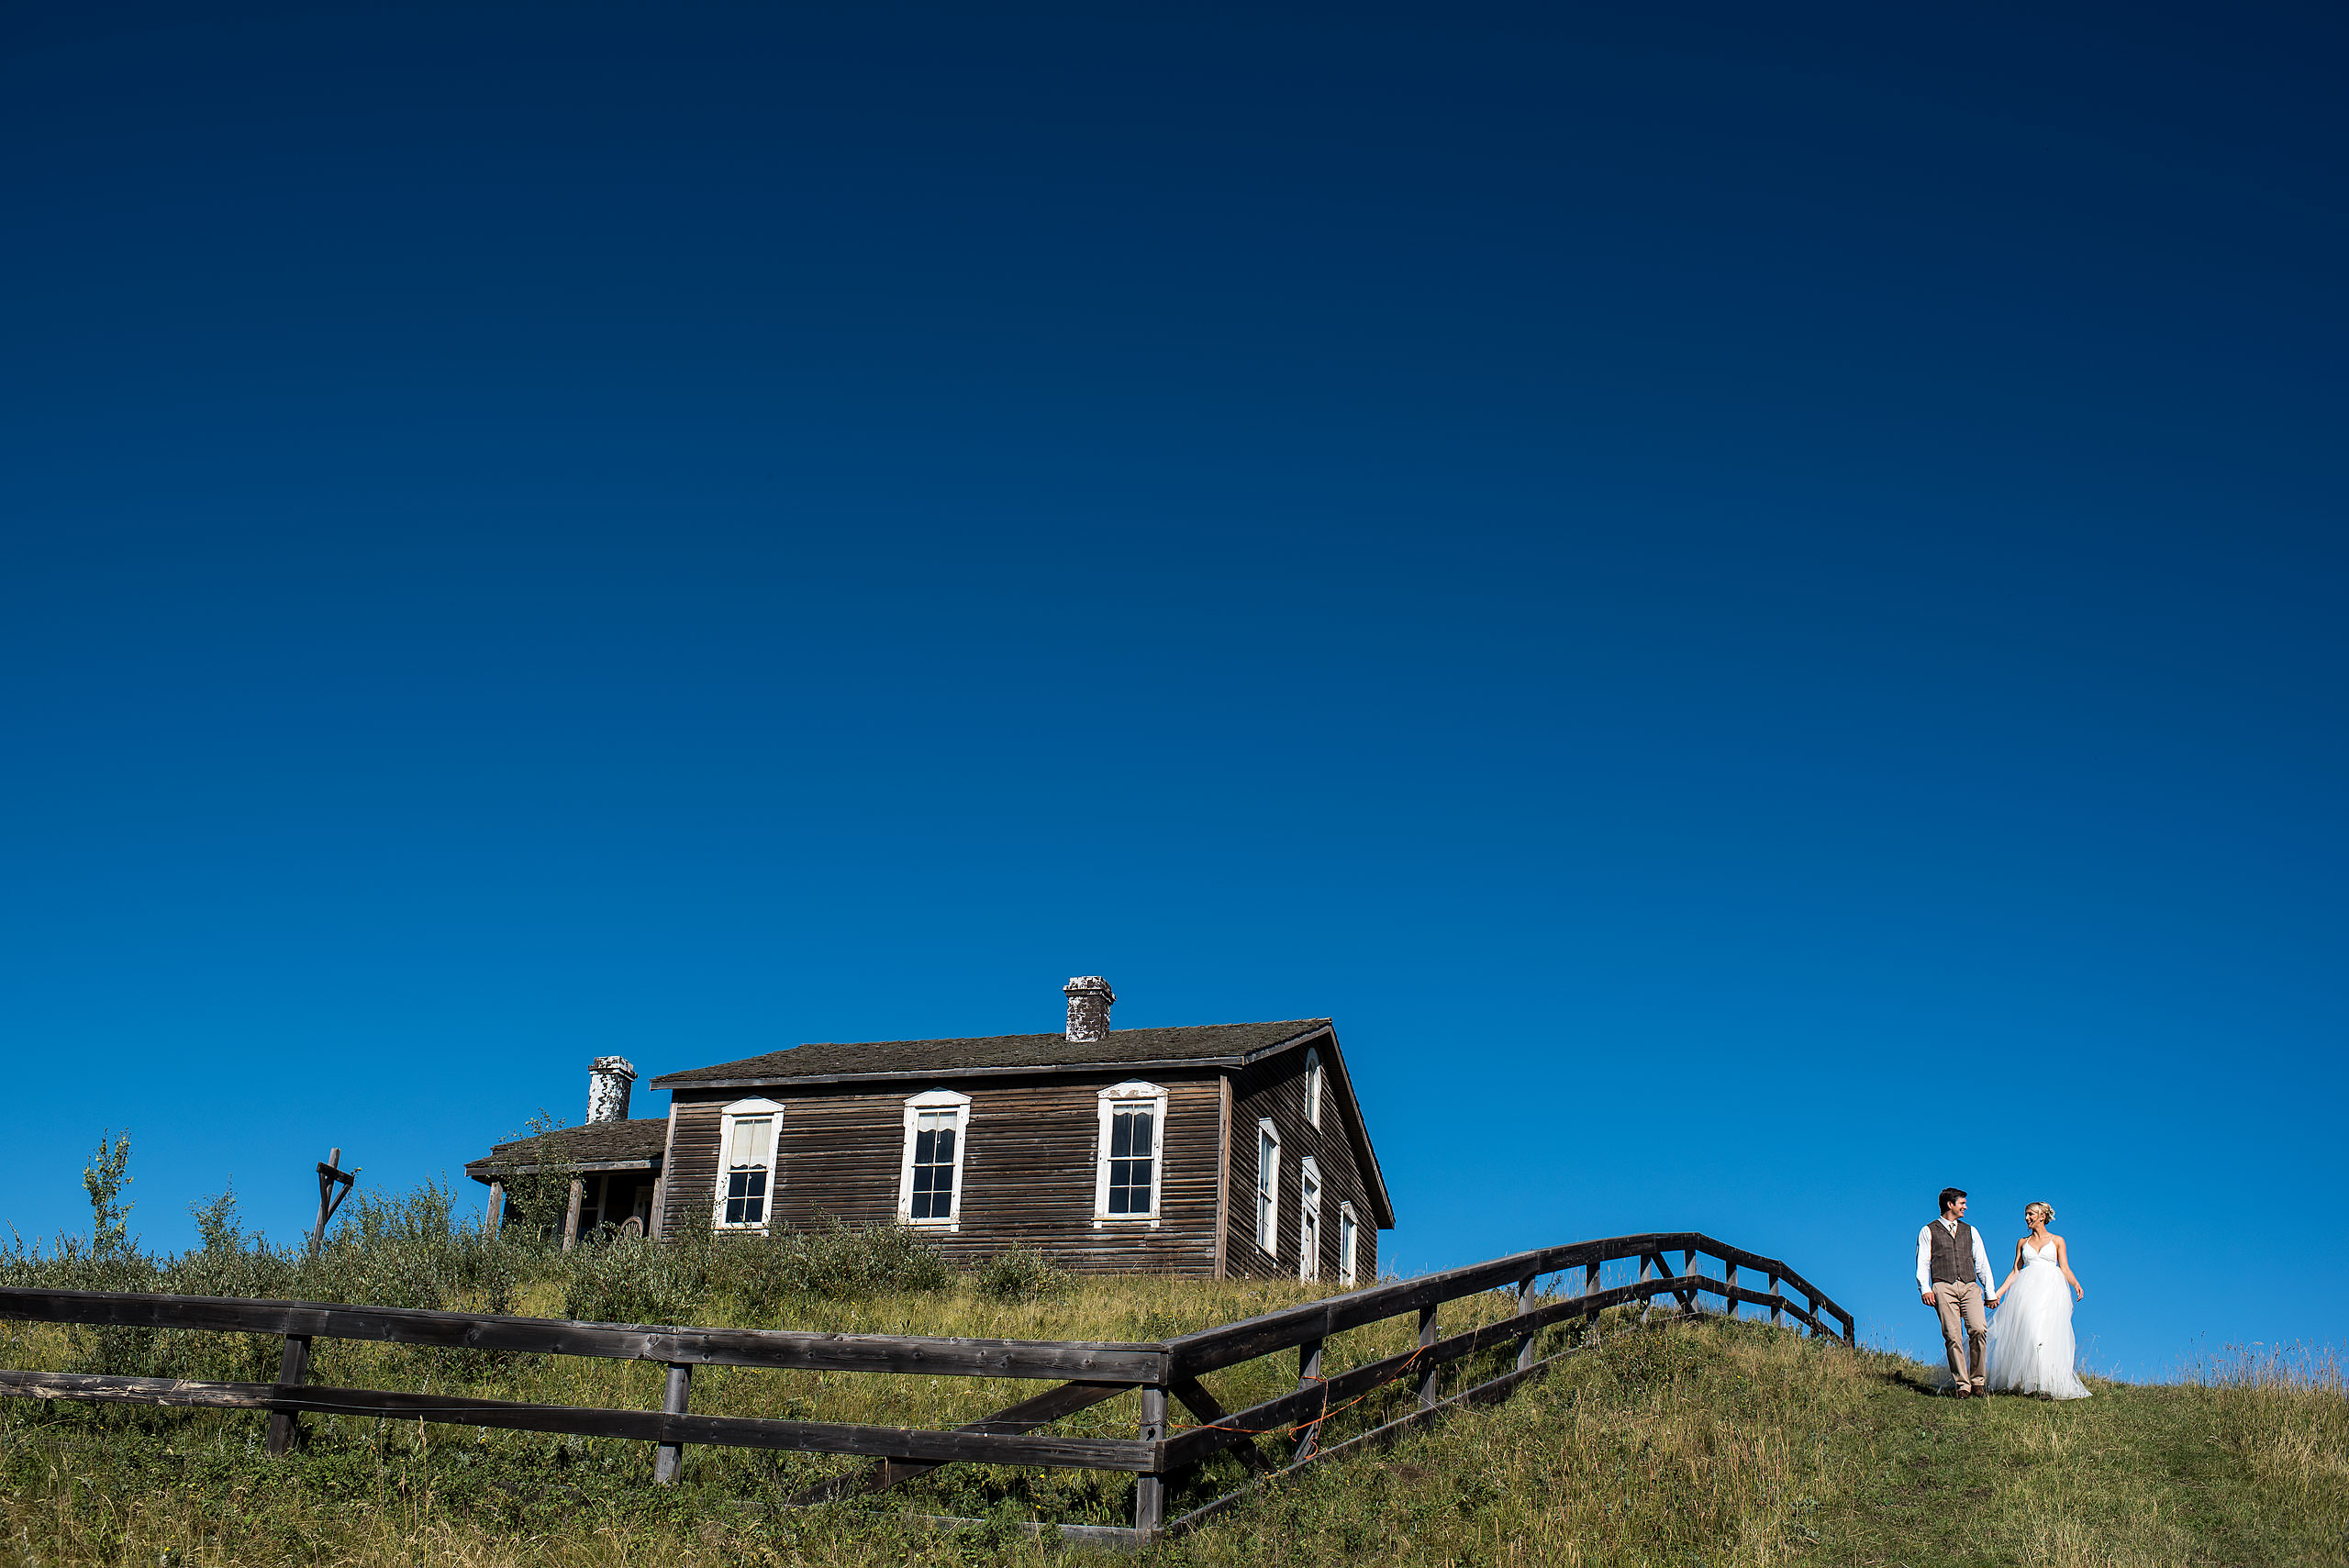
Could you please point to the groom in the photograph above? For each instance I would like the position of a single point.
(1954, 1277)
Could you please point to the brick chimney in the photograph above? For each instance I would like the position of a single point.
(608, 1080)
(1088, 1006)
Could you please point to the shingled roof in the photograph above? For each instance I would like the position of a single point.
(599, 1143)
(1203, 1045)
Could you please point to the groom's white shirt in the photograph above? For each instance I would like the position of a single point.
(1925, 1259)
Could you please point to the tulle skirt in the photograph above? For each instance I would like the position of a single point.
(2031, 1337)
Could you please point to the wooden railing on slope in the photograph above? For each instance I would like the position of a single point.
(1094, 1372)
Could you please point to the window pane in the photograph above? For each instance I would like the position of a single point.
(925, 1146)
(945, 1145)
(1121, 1134)
(750, 1140)
(1129, 1186)
(746, 1198)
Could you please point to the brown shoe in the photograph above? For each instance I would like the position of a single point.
(1962, 1392)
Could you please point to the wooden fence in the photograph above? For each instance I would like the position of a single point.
(1085, 1374)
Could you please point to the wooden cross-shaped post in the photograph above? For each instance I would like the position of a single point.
(334, 1182)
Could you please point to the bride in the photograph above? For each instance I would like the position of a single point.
(2031, 1337)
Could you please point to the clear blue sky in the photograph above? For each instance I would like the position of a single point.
(1753, 601)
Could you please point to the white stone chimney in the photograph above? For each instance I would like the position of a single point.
(1088, 1006)
(608, 1080)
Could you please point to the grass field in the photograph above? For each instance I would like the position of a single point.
(1702, 1443)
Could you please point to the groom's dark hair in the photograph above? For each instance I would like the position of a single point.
(1950, 1195)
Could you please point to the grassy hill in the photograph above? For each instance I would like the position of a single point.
(1699, 1443)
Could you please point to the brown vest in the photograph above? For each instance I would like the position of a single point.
(1952, 1256)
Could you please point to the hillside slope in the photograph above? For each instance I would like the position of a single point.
(1720, 1444)
(1703, 1443)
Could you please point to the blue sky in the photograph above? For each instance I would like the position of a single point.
(1754, 604)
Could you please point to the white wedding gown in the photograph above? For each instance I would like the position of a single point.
(2031, 1332)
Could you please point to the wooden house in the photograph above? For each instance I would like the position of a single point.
(1214, 1149)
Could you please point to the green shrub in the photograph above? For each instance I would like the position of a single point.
(831, 1260)
(1022, 1273)
(629, 1280)
(412, 1250)
(537, 1180)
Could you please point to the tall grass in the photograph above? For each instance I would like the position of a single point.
(2284, 1410)
(1726, 1444)
(414, 1250)
(1709, 1442)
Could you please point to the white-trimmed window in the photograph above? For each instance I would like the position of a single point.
(746, 1148)
(1129, 1157)
(1348, 1242)
(1308, 1220)
(929, 1175)
(1313, 1086)
(1268, 1187)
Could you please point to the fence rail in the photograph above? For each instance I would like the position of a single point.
(1095, 1372)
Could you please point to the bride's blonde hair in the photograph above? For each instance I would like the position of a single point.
(2047, 1215)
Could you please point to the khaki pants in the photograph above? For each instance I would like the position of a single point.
(1962, 1322)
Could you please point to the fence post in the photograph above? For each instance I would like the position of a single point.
(1728, 1277)
(1150, 1491)
(1524, 1306)
(1590, 1287)
(1647, 1273)
(668, 1459)
(293, 1366)
(1689, 1301)
(1308, 1373)
(1427, 1372)
(1778, 1316)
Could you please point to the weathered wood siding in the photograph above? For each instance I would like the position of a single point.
(1027, 1167)
(1275, 1089)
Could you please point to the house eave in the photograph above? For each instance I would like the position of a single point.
(678, 1081)
(950, 1074)
(485, 1170)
